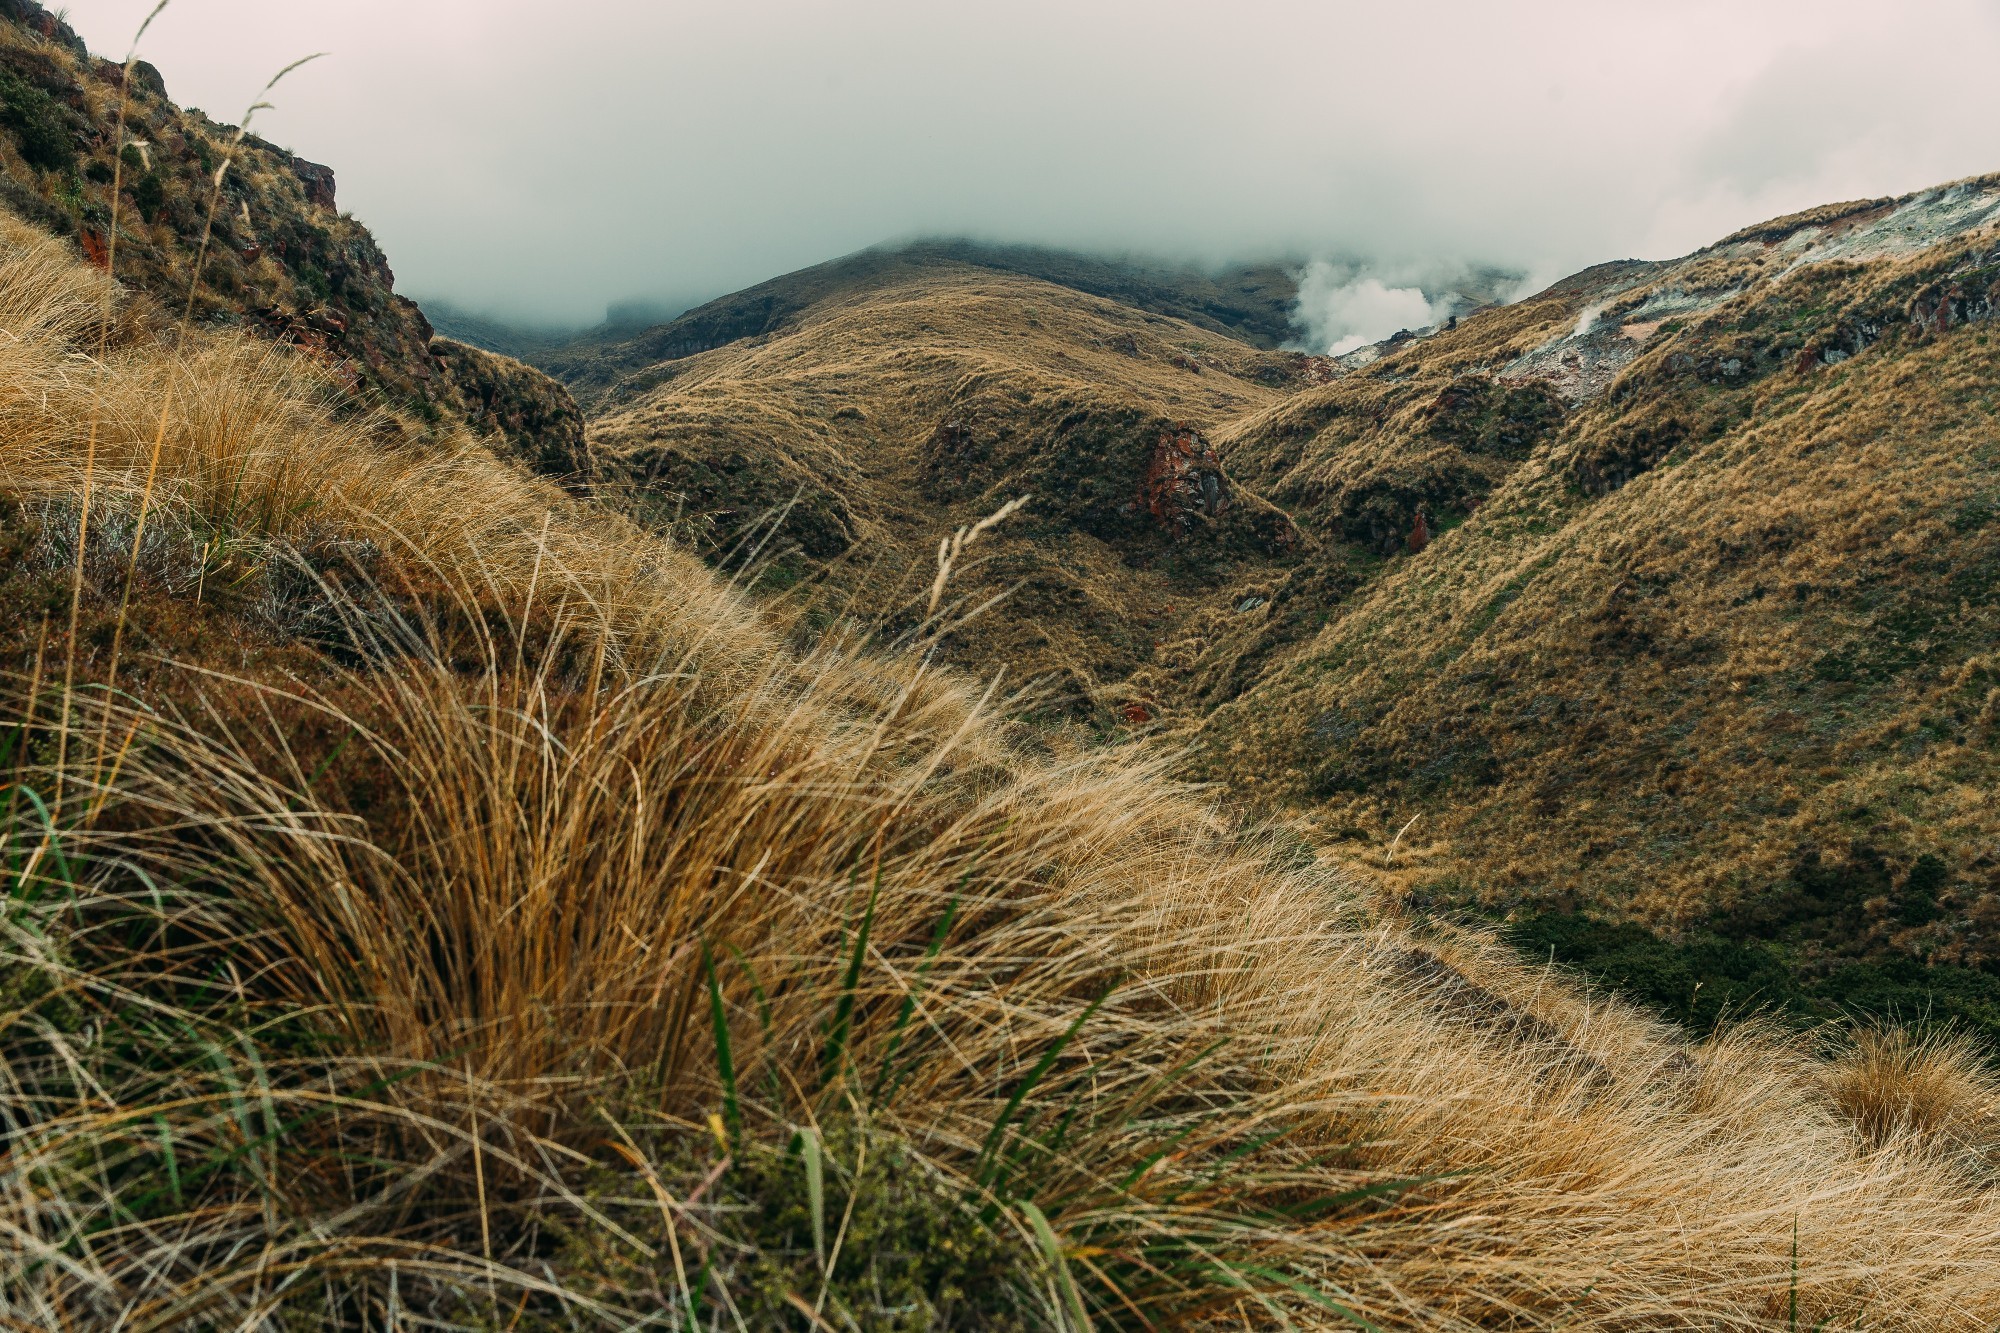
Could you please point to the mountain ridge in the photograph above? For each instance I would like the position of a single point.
(1251, 302)
(1379, 471)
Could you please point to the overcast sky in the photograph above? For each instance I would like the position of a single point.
(539, 158)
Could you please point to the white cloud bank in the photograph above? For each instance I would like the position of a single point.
(1339, 311)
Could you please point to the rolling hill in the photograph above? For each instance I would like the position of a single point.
(1251, 303)
(1662, 596)
(879, 419)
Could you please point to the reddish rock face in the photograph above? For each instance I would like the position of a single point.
(49, 27)
(317, 180)
(1420, 535)
(1960, 299)
(1183, 487)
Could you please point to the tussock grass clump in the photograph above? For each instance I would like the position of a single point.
(609, 902)
(561, 949)
(1936, 1089)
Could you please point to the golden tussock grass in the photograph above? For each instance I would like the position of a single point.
(610, 920)
(1932, 1089)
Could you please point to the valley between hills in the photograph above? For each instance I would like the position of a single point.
(1658, 606)
(973, 787)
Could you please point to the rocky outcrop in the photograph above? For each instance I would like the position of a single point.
(281, 260)
(49, 27)
(1579, 366)
(1962, 298)
(1183, 487)
(316, 180)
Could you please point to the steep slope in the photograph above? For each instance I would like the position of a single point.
(1698, 626)
(885, 415)
(275, 253)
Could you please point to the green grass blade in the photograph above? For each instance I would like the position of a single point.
(843, 1011)
(172, 1160)
(700, 1293)
(65, 873)
(725, 1060)
(908, 1008)
(815, 1191)
(1052, 1247)
(1035, 1076)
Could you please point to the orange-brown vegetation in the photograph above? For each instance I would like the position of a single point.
(598, 953)
(890, 414)
(1725, 629)
(1663, 594)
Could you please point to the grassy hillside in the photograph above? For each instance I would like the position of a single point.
(82, 147)
(431, 897)
(435, 896)
(1709, 646)
(877, 422)
(1251, 304)
(1662, 597)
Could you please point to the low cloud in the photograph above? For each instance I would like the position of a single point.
(544, 161)
(1339, 311)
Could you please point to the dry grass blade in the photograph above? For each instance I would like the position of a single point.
(950, 548)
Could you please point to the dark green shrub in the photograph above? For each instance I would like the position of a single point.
(1694, 983)
(150, 194)
(1701, 980)
(1918, 901)
(915, 1256)
(38, 123)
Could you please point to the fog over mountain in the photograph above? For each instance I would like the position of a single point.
(539, 162)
